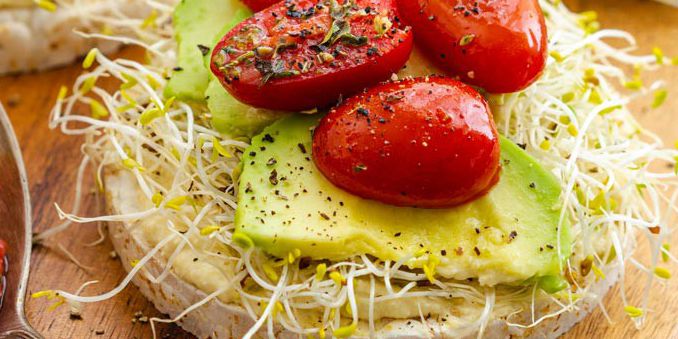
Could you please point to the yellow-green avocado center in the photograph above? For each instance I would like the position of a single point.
(508, 236)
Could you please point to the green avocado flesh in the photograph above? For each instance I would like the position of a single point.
(509, 236)
(232, 117)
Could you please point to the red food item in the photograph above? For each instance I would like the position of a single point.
(258, 5)
(3, 251)
(499, 45)
(303, 54)
(425, 142)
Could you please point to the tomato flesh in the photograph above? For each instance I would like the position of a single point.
(305, 54)
(499, 45)
(258, 5)
(425, 142)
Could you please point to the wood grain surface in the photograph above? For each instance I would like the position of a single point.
(52, 160)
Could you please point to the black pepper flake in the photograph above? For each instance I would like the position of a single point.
(324, 216)
(271, 162)
(99, 332)
(549, 246)
(512, 235)
(363, 111)
(302, 148)
(253, 154)
(268, 138)
(443, 253)
(304, 262)
(304, 33)
(523, 146)
(204, 50)
(273, 178)
(293, 13)
(475, 249)
(477, 230)
(533, 185)
(177, 69)
(397, 234)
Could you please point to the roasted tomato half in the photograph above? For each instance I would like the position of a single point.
(258, 5)
(425, 142)
(303, 54)
(499, 45)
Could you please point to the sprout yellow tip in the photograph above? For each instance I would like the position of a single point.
(633, 311)
(320, 271)
(337, 278)
(63, 91)
(345, 331)
(242, 240)
(659, 97)
(209, 230)
(662, 272)
(50, 294)
(47, 5)
(98, 110)
(89, 58)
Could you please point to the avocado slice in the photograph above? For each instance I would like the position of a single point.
(198, 23)
(232, 117)
(509, 236)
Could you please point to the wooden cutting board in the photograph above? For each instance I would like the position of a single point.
(52, 160)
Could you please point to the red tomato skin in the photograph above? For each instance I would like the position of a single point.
(326, 83)
(259, 5)
(425, 142)
(3, 252)
(508, 51)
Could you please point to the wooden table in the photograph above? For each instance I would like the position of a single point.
(52, 159)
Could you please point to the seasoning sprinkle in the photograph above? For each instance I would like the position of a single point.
(204, 50)
(466, 39)
(273, 178)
